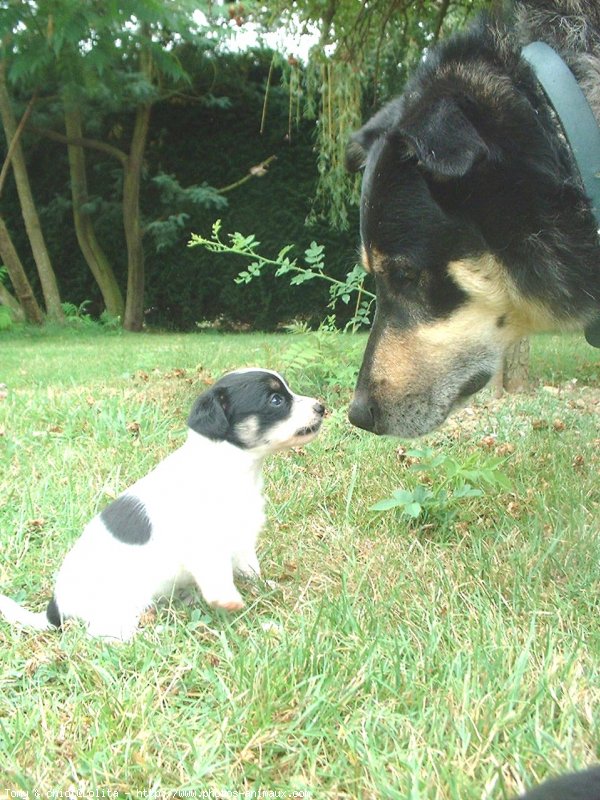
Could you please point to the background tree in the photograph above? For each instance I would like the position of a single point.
(144, 87)
(16, 158)
(108, 58)
(362, 57)
(24, 306)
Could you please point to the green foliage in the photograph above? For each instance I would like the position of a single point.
(93, 54)
(167, 231)
(472, 468)
(184, 286)
(94, 48)
(77, 316)
(454, 482)
(110, 322)
(362, 59)
(313, 267)
(322, 359)
(6, 321)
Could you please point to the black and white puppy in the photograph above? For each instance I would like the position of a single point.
(194, 519)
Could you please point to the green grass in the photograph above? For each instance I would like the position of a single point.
(393, 659)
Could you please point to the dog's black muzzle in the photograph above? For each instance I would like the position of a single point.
(362, 412)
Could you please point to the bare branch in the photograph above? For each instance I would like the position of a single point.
(15, 139)
(440, 20)
(92, 144)
(254, 172)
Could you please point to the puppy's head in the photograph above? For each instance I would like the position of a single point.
(255, 410)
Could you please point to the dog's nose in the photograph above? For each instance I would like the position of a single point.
(319, 409)
(361, 413)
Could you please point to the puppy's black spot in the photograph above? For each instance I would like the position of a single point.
(53, 614)
(127, 521)
(501, 321)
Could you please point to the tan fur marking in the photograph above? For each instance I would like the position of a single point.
(247, 429)
(364, 258)
(493, 294)
(378, 260)
(405, 360)
(396, 362)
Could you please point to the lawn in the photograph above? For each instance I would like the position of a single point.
(454, 654)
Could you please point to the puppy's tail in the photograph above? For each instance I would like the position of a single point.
(41, 621)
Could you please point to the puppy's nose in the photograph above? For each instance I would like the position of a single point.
(361, 413)
(319, 409)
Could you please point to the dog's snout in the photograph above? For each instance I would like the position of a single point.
(361, 413)
(319, 409)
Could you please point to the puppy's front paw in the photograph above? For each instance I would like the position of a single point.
(229, 604)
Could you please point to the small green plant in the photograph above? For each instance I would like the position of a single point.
(320, 357)
(455, 482)
(313, 267)
(77, 316)
(6, 321)
(77, 313)
(110, 321)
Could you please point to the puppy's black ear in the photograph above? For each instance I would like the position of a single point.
(208, 415)
(446, 143)
(360, 142)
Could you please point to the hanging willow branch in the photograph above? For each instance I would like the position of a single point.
(364, 54)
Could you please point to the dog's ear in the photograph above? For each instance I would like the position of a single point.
(208, 416)
(444, 140)
(360, 142)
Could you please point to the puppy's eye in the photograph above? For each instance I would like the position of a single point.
(276, 400)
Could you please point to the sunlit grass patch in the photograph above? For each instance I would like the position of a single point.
(445, 655)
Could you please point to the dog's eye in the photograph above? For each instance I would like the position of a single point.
(404, 277)
(276, 399)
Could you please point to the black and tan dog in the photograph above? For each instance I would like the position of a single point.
(583, 785)
(474, 220)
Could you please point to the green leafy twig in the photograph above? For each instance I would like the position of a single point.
(314, 267)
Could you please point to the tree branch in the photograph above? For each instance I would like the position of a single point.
(440, 20)
(92, 144)
(15, 139)
(254, 172)
(6, 299)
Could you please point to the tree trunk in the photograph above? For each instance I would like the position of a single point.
(6, 299)
(514, 375)
(516, 367)
(86, 236)
(134, 307)
(28, 210)
(18, 278)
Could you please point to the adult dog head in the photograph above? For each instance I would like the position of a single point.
(474, 222)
